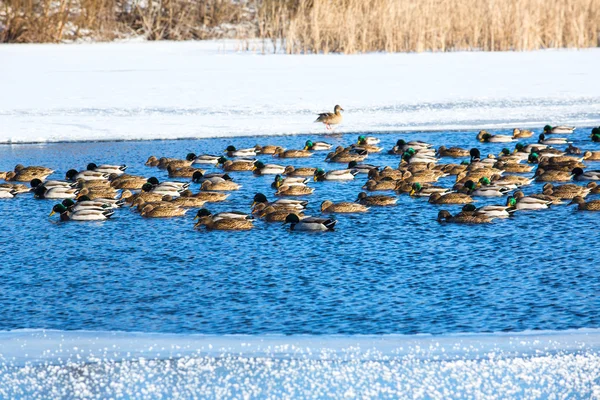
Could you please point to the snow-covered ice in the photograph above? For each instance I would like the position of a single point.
(157, 90)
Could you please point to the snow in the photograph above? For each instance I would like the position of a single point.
(536, 364)
(159, 90)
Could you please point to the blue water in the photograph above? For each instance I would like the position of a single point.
(392, 270)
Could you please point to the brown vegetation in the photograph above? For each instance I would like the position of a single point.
(309, 26)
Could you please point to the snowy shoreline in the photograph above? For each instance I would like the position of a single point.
(178, 90)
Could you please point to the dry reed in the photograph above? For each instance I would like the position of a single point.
(315, 26)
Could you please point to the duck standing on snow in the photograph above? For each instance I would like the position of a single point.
(331, 118)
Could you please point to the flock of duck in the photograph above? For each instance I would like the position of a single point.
(98, 191)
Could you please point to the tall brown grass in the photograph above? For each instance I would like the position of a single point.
(315, 26)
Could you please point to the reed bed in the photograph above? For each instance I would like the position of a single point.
(316, 26)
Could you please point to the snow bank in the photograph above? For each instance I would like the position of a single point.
(152, 90)
(552, 364)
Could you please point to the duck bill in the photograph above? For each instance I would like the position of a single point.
(314, 178)
(195, 218)
(52, 213)
(253, 204)
(306, 148)
(412, 192)
(197, 224)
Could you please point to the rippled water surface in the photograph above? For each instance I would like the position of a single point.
(392, 270)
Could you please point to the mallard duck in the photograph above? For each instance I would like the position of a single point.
(402, 146)
(74, 175)
(98, 184)
(309, 223)
(200, 177)
(203, 158)
(593, 205)
(480, 190)
(281, 181)
(84, 202)
(450, 198)
(425, 176)
(237, 165)
(267, 169)
(573, 150)
(282, 153)
(506, 156)
(153, 211)
(231, 151)
(17, 188)
(108, 193)
(52, 184)
(184, 202)
(41, 192)
(377, 200)
(362, 168)
(488, 211)
(82, 215)
(558, 129)
(366, 147)
(305, 171)
(591, 156)
(125, 181)
(260, 198)
(272, 214)
(107, 169)
(165, 163)
(521, 202)
(331, 118)
(346, 155)
(344, 207)
(267, 150)
(183, 172)
(370, 140)
(594, 187)
(541, 175)
(510, 181)
(219, 186)
(486, 137)
(316, 146)
(294, 190)
(567, 191)
(336, 175)
(521, 133)
(130, 198)
(222, 215)
(445, 216)
(167, 185)
(526, 150)
(225, 224)
(579, 175)
(454, 152)
(7, 193)
(452, 169)
(512, 167)
(551, 141)
(382, 185)
(25, 175)
(418, 190)
(388, 173)
(209, 197)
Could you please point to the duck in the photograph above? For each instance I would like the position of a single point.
(335, 175)
(317, 146)
(402, 146)
(260, 198)
(266, 150)
(25, 175)
(200, 176)
(366, 147)
(362, 168)
(558, 129)
(96, 193)
(17, 188)
(370, 140)
(579, 175)
(107, 169)
(425, 176)
(521, 133)
(541, 175)
(331, 118)
(510, 181)
(454, 152)
(344, 207)
(51, 184)
(164, 162)
(388, 173)
(512, 167)
(184, 202)
(167, 185)
(573, 150)
(486, 137)
(162, 190)
(303, 171)
(41, 192)
(506, 156)
(519, 202)
(281, 181)
(130, 198)
(222, 215)
(183, 172)
(294, 190)
(528, 149)
(272, 214)
(231, 151)
(342, 155)
(237, 165)
(203, 158)
(74, 175)
(491, 211)
(567, 191)
(309, 223)
(219, 186)
(479, 190)
(7, 193)
(85, 202)
(282, 153)
(161, 211)
(445, 216)
(591, 156)
(82, 215)
(382, 185)
(225, 224)
(376, 200)
(209, 197)
(418, 190)
(126, 181)
(267, 169)
(450, 198)
(593, 205)
(551, 141)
